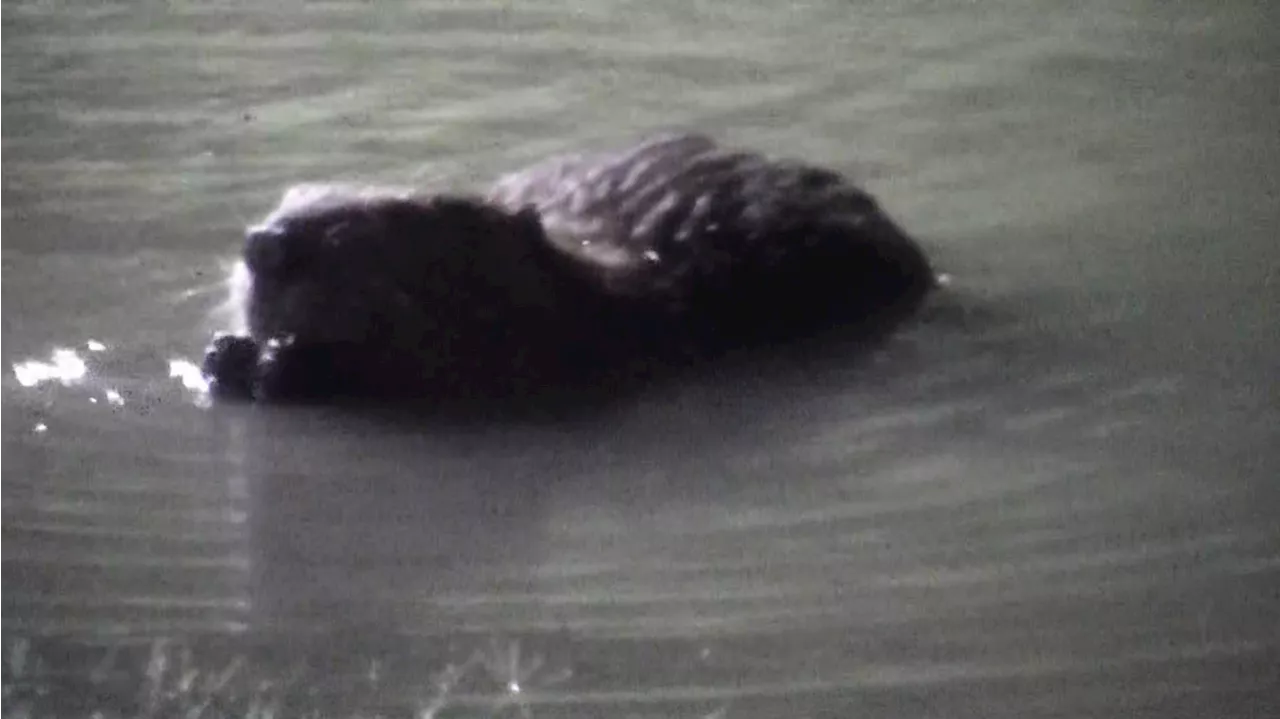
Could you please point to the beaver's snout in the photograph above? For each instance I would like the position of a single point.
(280, 369)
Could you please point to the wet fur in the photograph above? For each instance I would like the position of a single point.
(568, 266)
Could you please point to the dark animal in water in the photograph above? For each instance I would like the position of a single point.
(561, 270)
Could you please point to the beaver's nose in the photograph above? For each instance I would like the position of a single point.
(266, 250)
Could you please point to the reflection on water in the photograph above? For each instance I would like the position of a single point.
(65, 366)
(68, 367)
(1050, 494)
(189, 374)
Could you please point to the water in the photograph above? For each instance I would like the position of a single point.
(1053, 494)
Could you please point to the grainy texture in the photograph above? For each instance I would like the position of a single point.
(1052, 496)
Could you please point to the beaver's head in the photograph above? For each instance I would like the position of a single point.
(380, 268)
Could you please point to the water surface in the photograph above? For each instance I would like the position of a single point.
(1051, 494)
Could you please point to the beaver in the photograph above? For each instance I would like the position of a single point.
(674, 242)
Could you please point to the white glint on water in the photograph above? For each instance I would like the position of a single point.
(189, 374)
(64, 366)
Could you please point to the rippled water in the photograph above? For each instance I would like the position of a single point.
(1052, 494)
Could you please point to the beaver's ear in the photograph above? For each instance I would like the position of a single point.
(533, 236)
(528, 217)
(269, 249)
(528, 227)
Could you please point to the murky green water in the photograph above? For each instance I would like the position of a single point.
(1054, 494)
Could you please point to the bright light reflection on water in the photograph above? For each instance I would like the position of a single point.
(64, 366)
(67, 367)
(188, 374)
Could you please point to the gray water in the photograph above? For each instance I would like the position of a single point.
(1052, 494)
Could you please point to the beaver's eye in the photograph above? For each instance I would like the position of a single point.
(268, 250)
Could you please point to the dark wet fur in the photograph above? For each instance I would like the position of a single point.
(710, 252)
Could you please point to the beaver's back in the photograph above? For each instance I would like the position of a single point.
(680, 220)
